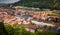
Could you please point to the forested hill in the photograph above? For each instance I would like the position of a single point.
(51, 4)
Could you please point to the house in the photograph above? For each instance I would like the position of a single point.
(30, 27)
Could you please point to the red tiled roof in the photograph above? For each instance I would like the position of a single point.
(57, 24)
(31, 26)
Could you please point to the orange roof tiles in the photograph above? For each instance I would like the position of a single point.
(30, 26)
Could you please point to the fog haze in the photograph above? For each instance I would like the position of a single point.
(8, 1)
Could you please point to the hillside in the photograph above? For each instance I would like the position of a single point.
(51, 4)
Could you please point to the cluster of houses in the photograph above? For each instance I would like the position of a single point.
(29, 18)
(27, 8)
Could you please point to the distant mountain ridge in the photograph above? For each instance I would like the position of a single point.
(49, 4)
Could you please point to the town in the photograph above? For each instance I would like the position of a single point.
(31, 18)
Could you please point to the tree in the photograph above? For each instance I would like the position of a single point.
(2, 29)
(9, 29)
(45, 26)
(58, 32)
(49, 4)
(47, 33)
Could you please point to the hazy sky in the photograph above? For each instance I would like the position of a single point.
(8, 1)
